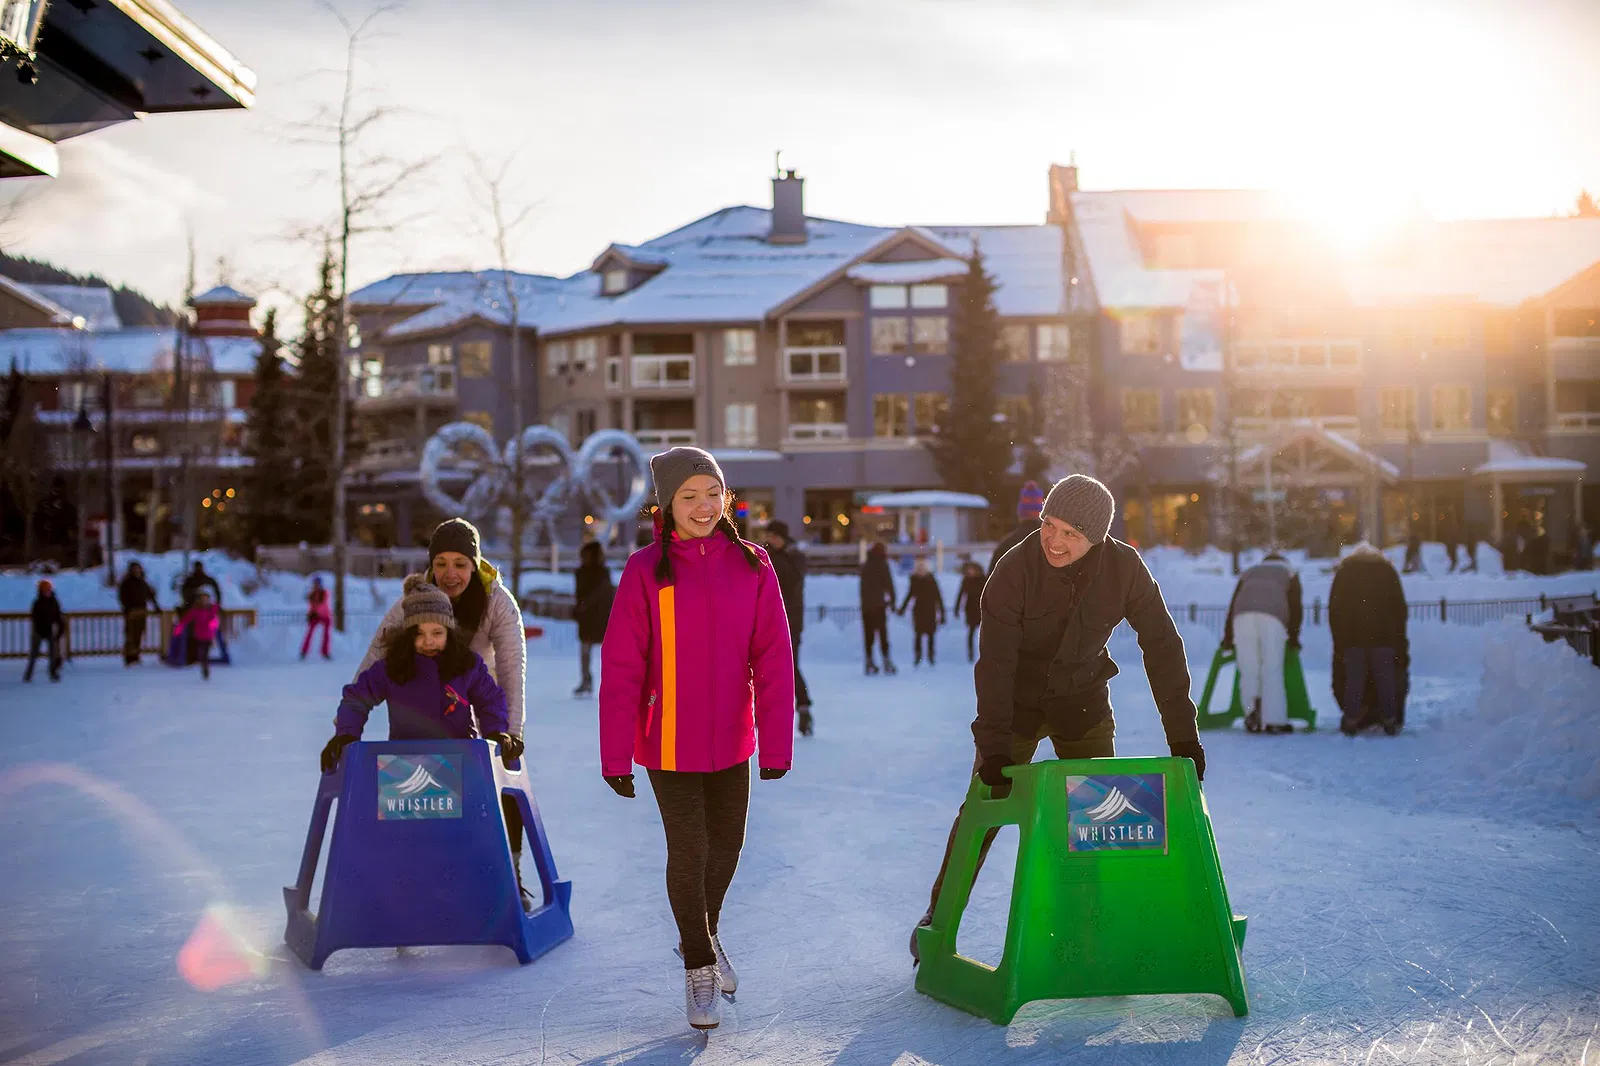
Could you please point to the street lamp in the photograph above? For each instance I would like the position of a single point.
(82, 431)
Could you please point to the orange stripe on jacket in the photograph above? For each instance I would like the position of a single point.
(669, 679)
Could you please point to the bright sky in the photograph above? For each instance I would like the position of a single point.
(626, 118)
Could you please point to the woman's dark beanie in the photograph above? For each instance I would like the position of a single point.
(454, 535)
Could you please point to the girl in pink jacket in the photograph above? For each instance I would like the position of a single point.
(697, 675)
(201, 622)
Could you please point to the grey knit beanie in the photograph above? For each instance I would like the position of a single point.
(425, 602)
(1083, 503)
(670, 469)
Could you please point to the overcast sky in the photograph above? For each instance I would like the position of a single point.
(626, 118)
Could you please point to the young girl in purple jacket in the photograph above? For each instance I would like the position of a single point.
(696, 676)
(435, 685)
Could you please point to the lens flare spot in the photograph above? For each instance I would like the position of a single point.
(218, 953)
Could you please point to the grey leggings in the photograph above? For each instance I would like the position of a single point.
(704, 816)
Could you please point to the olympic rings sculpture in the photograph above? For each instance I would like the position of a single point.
(468, 449)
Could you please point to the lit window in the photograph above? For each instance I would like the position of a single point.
(226, 394)
(1140, 334)
(930, 409)
(1397, 408)
(739, 347)
(557, 356)
(930, 296)
(1196, 410)
(930, 336)
(889, 415)
(477, 359)
(146, 444)
(890, 336)
(614, 281)
(1014, 343)
(439, 355)
(739, 425)
(1141, 411)
(888, 297)
(1055, 343)
(663, 371)
(1452, 407)
(586, 353)
(1500, 409)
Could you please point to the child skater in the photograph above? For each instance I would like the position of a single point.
(201, 622)
(927, 608)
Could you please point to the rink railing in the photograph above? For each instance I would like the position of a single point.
(101, 632)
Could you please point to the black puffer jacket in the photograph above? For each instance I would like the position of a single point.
(135, 594)
(592, 596)
(877, 583)
(1043, 645)
(1367, 604)
(789, 563)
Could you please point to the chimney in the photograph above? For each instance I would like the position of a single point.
(788, 209)
(1063, 183)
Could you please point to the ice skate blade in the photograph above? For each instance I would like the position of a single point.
(704, 1028)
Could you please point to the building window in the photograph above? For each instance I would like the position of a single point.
(1141, 411)
(477, 359)
(614, 373)
(1500, 410)
(480, 418)
(1014, 343)
(889, 415)
(1196, 410)
(1577, 398)
(561, 422)
(557, 357)
(1055, 343)
(930, 296)
(1449, 333)
(930, 335)
(1452, 407)
(1578, 322)
(738, 347)
(1397, 408)
(146, 444)
(814, 364)
(663, 343)
(1140, 334)
(663, 371)
(227, 394)
(825, 333)
(890, 336)
(818, 417)
(930, 409)
(739, 425)
(439, 355)
(586, 353)
(585, 425)
(614, 281)
(888, 297)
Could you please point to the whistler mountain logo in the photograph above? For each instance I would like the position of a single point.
(1117, 812)
(419, 786)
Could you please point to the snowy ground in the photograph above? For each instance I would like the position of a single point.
(1427, 898)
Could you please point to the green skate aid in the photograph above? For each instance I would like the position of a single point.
(1118, 891)
(1294, 679)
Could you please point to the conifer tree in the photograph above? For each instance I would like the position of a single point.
(314, 392)
(274, 474)
(971, 450)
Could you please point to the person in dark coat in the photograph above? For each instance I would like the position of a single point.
(1536, 551)
(1413, 551)
(137, 599)
(1030, 501)
(1367, 619)
(789, 563)
(1582, 548)
(593, 593)
(198, 579)
(49, 629)
(1048, 612)
(877, 600)
(927, 609)
(1450, 533)
(971, 594)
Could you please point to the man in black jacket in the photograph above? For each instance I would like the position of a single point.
(1048, 612)
(49, 626)
(790, 565)
(135, 595)
(198, 580)
(877, 600)
(1367, 615)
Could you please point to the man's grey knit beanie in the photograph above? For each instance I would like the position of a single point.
(1083, 503)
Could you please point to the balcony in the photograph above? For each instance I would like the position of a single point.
(406, 385)
(1297, 357)
(1259, 426)
(662, 372)
(382, 456)
(808, 432)
(1578, 421)
(664, 438)
(814, 366)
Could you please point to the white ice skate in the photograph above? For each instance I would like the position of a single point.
(700, 997)
(726, 977)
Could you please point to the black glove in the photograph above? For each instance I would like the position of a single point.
(991, 772)
(770, 774)
(511, 746)
(621, 784)
(334, 749)
(1191, 750)
(1294, 642)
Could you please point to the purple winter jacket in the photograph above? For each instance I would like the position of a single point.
(428, 707)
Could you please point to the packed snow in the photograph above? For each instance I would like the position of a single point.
(1425, 898)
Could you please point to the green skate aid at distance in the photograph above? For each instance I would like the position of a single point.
(1118, 891)
(1294, 679)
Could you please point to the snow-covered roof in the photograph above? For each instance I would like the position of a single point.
(92, 303)
(447, 300)
(222, 296)
(745, 455)
(927, 498)
(1509, 459)
(907, 273)
(137, 350)
(36, 299)
(1297, 430)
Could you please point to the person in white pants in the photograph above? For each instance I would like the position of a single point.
(1263, 619)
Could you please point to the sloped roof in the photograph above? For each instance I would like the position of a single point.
(222, 296)
(92, 303)
(141, 349)
(31, 296)
(1512, 460)
(907, 273)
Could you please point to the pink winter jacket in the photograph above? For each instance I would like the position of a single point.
(692, 672)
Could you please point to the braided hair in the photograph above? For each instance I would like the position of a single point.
(724, 525)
